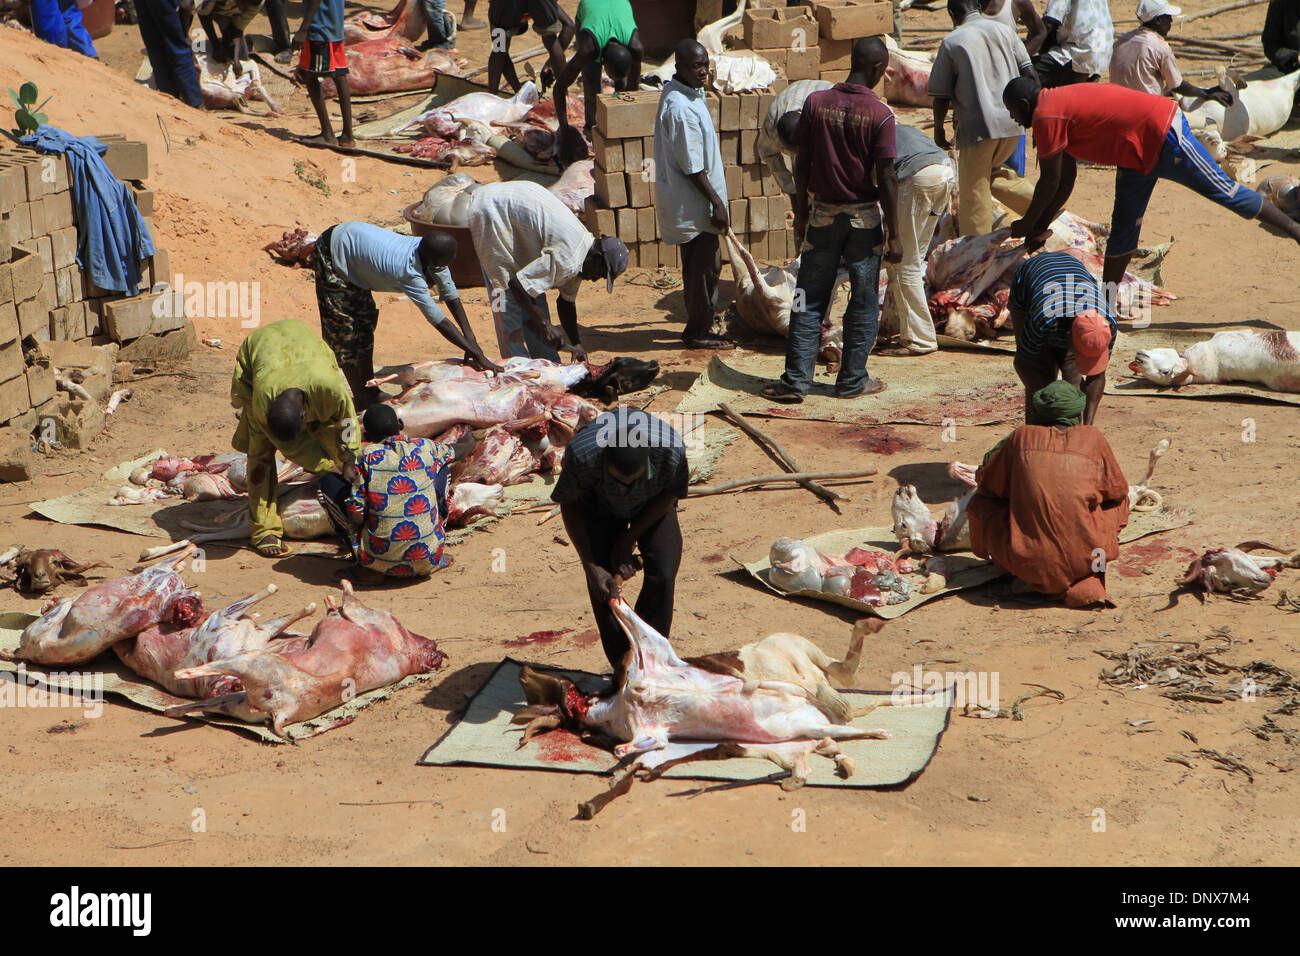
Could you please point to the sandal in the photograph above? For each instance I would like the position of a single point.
(902, 351)
(779, 393)
(709, 342)
(272, 547)
(874, 386)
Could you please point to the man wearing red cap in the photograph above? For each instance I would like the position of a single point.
(1063, 325)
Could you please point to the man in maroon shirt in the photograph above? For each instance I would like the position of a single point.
(1146, 137)
(845, 158)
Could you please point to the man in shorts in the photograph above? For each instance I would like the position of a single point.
(321, 40)
(511, 18)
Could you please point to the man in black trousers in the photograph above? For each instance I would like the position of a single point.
(622, 476)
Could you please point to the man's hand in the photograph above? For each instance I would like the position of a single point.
(893, 250)
(1219, 95)
(941, 135)
(721, 220)
(602, 582)
(546, 79)
(624, 558)
(1020, 228)
(300, 38)
(551, 336)
(484, 364)
(577, 351)
(800, 228)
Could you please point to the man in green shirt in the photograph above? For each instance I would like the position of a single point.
(292, 399)
(607, 42)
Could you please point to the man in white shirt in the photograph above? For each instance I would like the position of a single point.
(354, 260)
(528, 242)
(776, 137)
(691, 191)
(1080, 37)
(1143, 59)
(974, 64)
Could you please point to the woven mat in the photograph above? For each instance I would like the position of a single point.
(106, 677)
(484, 737)
(912, 398)
(965, 569)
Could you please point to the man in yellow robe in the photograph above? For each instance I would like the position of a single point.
(293, 399)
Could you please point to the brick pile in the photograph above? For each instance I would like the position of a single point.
(623, 204)
(800, 43)
(45, 298)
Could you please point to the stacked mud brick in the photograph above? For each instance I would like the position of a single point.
(623, 204)
(48, 306)
(806, 43)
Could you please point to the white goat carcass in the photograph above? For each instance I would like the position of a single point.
(1258, 107)
(1268, 358)
(919, 533)
(1235, 570)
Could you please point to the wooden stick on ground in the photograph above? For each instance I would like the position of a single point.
(1241, 4)
(1215, 45)
(795, 476)
(791, 465)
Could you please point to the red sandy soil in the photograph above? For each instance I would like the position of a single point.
(225, 187)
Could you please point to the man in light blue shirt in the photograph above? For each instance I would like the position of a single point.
(352, 261)
(691, 191)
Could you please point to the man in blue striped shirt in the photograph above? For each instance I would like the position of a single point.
(622, 476)
(1063, 327)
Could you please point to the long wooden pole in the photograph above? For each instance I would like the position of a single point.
(795, 476)
(791, 465)
(1216, 45)
(1240, 5)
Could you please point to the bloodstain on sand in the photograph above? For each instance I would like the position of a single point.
(1134, 559)
(586, 638)
(713, 559)
(538, 637)
(877, 439)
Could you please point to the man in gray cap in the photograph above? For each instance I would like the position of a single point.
(622, 476)
(528, 242)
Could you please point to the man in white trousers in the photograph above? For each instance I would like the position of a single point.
(925, 184)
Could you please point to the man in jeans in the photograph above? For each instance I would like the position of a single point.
(844, 135)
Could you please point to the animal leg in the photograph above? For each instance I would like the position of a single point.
(843, 672)
(211, 703)
(844, 764)
(588, 810)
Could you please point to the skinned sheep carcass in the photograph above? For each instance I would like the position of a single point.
(73, 631)
(666, 710)
(354, 649)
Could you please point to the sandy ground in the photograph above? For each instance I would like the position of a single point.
(126, 788)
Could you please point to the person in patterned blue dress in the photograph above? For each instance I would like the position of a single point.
(394, 520)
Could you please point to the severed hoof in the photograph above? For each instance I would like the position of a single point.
(845, 766)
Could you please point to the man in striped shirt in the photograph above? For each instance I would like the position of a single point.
(1063, 327)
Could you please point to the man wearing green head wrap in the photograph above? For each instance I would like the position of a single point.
(1060, 404)
(1050, 501)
